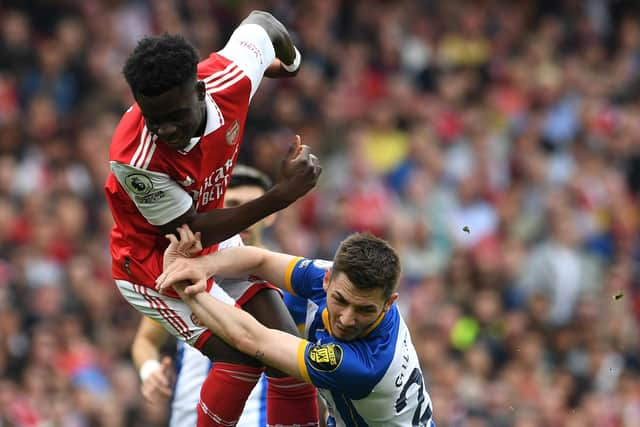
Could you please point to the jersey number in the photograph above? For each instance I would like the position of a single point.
(401, 402)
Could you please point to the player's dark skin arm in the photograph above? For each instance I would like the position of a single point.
(220, 224)
(299, 173)
(280, 38)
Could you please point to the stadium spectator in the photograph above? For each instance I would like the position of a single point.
(579, 60)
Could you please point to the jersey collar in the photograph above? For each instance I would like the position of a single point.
(214, 121)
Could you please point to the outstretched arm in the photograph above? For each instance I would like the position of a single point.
(237, 327)
(299, 172)
(241, 331)
(156, 375)
(231, 262)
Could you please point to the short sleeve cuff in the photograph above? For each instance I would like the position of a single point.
(302, 364)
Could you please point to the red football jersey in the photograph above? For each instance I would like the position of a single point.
(151, 184)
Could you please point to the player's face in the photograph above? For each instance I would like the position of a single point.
(353, 311)
(238, 196)
(176, 115)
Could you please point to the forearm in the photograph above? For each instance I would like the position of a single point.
(240, 330)
(236, 262)
(245, 261)
(144, 349)
(231, 324)
(217, 225)
(148, 340)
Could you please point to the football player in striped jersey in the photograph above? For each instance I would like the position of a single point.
(357, 348)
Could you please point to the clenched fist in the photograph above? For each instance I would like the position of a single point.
(299, 172)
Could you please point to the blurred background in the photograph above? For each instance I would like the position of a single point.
(495, 144)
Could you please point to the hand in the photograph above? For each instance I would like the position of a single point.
(158, 386)
(179, 268)
(299, 172)
(188, 273)
(188, 246)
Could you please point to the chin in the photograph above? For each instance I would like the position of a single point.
(344, 336)
(177, 145)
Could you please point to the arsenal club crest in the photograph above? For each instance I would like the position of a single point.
(233, 132)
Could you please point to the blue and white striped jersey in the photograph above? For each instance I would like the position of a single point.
(374, 380)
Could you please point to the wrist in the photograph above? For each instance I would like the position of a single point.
(280, 197)
(147, 368)
(297, 60)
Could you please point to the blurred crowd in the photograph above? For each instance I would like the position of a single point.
(495, 144)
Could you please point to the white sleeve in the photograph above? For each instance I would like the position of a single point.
(251, 48)
(158, 197)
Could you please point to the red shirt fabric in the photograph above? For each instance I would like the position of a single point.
(151, 184)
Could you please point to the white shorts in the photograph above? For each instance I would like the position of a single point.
(176, 316)
(173, 314)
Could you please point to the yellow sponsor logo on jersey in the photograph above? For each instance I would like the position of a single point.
(326, 357)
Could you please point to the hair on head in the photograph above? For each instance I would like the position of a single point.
(158, 64)
(368, 262)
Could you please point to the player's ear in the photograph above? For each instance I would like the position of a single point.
(327, 279)
(200, 89)
(391, 300)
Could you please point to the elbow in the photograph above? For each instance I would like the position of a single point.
(261, 14)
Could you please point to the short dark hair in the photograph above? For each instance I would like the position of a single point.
(246, 175)
(159, 64)
(368, 262)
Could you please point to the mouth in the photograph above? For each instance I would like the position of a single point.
(176, 142)
(344, 331)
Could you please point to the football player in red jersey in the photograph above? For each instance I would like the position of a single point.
(171, 158)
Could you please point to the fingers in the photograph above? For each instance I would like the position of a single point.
(157, 385)
(294, 148)
(197, 287)
(312, 164)
(161, 278)
(178, 273)
(153, 390)
(305, 152)
(167, 369)
(186, 238)
(166, 365)
(315, 163)
(197, 245)
(189, 243)
(167, 277)
(164, 281)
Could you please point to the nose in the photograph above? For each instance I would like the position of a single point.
(348, 318)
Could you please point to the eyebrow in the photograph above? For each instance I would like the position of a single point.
(357, 306)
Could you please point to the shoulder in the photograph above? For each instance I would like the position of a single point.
(223, 76)
(214, 65)
(304, 277)
(354, 369)
(310, 266)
